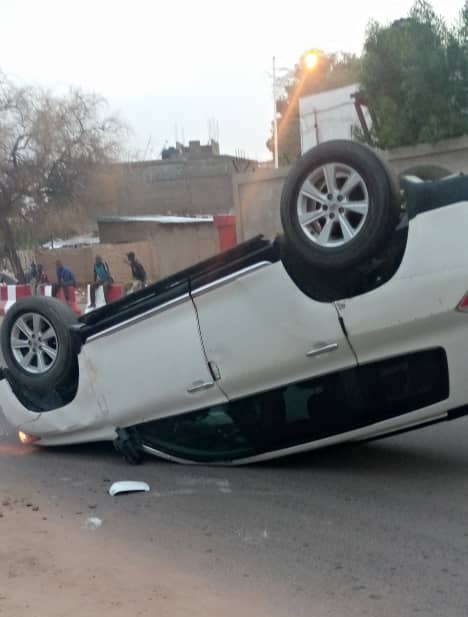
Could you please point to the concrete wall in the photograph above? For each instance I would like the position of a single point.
(176, 246)
(179, 246)
(257, 196)
(200, 186)
(163, 251)
(119, 232)
(257, 203)
(451, 154)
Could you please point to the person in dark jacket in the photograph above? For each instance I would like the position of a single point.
(102, 278)
(65, 280)
(138, 272)
(40, 279)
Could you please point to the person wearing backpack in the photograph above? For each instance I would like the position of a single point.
(65, 280)
(102, 278)
(138, 272)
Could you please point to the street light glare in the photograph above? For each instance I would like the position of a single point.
(311, 60)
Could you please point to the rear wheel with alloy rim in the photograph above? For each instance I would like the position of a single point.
(338, 206)
(37, 343)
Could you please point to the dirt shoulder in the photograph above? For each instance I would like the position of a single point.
(54, 567)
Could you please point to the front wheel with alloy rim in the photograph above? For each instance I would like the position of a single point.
(337, 205)
(37, 343)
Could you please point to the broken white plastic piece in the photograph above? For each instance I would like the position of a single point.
(92, 523)
(128, 486)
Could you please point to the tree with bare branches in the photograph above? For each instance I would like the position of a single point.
(49, 148)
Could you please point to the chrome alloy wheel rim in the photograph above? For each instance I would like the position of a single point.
(333, 205)
(34, 343)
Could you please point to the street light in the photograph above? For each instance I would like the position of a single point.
(310, 60)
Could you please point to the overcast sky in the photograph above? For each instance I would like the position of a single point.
(168, 67)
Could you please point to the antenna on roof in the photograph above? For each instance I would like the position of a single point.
(213, 130)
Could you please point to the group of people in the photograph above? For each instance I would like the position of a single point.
(101, 278)
(36, 276)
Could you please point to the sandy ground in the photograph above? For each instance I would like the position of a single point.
(51, 566)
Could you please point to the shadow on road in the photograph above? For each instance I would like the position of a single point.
(380, 457)
(440, 452)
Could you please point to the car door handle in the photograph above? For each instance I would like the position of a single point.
(322, 348)
(198, 386)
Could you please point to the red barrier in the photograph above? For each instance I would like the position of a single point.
(114, 292)
(72, 302)
(9, 294)
(46, 290)
(3, 298)
(226, 226)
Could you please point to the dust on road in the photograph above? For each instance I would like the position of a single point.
(53, 567)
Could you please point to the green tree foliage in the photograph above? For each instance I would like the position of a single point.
(415, 78)
(331, 71)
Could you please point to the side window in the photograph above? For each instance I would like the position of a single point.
(204, 436)
(269, 421)
(305, 411)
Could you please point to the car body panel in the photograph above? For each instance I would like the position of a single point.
(261, 331)
(132, 374)
(252, 330)
(68, 422)
(415, 310)
(142, 373)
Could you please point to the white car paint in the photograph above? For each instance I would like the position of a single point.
(415, 310)
(128, 486)
(86, 421)
(263, 332)
(258, 328)
(128, 375)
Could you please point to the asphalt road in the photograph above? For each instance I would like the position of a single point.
(378, 529)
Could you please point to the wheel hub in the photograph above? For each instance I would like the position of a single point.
(332, 205)
(34, 343)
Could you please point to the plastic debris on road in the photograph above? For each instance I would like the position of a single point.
(92, 523)
(128, 486)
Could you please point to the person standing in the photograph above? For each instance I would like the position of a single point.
(30, 277)
(138, 272)
(31, 274)
(65, 280)
(40, 279)
(102, 278)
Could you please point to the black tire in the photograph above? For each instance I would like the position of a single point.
(393, 183)
(383, 205)
(60, 317)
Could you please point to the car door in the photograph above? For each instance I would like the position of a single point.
(260, 331)
(152, 365)
(415, 311)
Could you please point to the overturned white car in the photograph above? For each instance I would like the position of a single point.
(351, 326)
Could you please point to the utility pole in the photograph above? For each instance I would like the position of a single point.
(275, 115)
